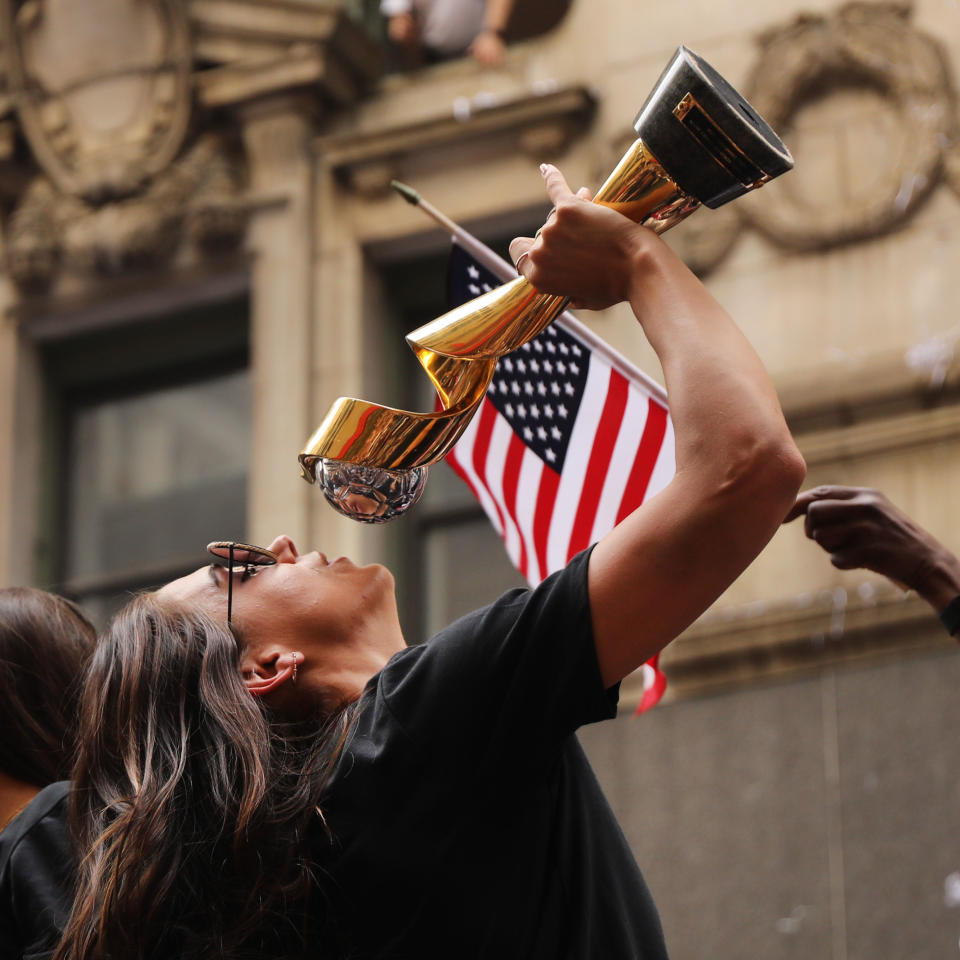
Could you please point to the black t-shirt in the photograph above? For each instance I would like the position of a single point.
(35, 876)
(466, 820)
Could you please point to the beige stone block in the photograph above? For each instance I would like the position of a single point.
(8, 413)
(841, 308)
(21, 415)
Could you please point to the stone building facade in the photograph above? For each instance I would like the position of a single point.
(201, 251)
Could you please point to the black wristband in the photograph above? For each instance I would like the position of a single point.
(950, 616)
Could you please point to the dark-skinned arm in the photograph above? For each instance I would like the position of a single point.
(860, 528)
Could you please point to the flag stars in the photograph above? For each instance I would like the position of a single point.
(522, 412)
(541, 433)
(555, 388)
(551, 348)
(541, 388)
(569, 389)
(563, 411)
(538, 346)
(527, 434)
(548, 366)
(534, 366)
(521, 366)
(473, 272)
(548, 412)
(556, 432)
(502, 386)
(526, 347)
(561, 367)
(577, 352)
(507, 364)
(474, 289)
(487, 288)
(515, 388)
(564, 349)
(534, 411)
(528, 388)
(574, 368)
(509, 409)
(551, 456)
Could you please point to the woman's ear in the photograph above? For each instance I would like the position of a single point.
(265, 672)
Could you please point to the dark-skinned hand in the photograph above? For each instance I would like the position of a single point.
(860, 527)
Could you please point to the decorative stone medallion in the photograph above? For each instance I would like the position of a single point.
(102, 89)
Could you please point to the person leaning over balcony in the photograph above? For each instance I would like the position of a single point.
(436, 30)
(267, 770)
(860, 527)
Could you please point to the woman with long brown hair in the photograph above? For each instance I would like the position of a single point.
(267, 770)
(45, 642)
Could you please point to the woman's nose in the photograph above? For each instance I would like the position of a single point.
(284, 548)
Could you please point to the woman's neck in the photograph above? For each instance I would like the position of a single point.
(14, 796)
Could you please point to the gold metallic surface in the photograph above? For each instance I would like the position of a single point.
(459, 350)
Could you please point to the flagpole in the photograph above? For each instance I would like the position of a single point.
(506, 271)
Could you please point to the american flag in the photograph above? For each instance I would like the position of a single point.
(564, 446)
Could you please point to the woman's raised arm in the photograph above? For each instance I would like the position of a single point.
(738, 469)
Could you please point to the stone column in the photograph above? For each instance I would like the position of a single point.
(277, 134)
(21, 435)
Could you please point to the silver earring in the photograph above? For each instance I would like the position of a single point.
(294, 668)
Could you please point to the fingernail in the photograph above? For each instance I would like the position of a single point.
(543, 169)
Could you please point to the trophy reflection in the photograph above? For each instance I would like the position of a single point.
(698, 142)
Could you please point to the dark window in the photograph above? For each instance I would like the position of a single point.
(448, 556)
(150, 432)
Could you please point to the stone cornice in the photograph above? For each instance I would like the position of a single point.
(916, 429)
(882, 384)
(366, 160)
(757, 642)
(261, 48)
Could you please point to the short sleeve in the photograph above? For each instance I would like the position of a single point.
(518, 676)
(392, 8)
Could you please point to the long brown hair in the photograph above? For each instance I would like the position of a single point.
(192, 808)
(45, 643)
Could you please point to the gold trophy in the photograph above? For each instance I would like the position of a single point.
(699, 142)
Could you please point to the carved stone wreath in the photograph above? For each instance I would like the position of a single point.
(866, 45)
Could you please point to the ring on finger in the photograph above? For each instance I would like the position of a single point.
(526, 253)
